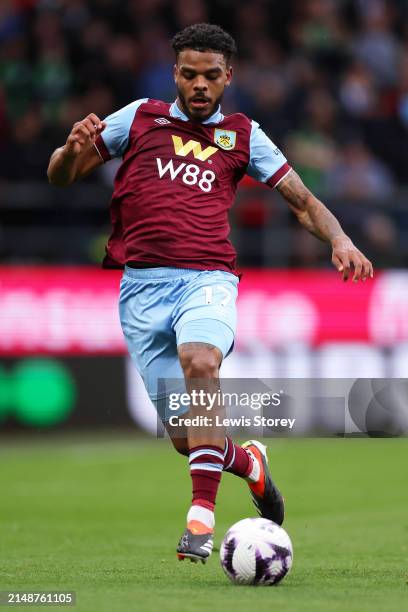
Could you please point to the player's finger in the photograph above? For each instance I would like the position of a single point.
(95, 120)
(72, 145)
(74, 138)
(337, 263)
(95, 130)
(90, 126)
(76, 148)
(358, 267)
(81, 127)
(366, 269)
(345, 262)
(83, 131)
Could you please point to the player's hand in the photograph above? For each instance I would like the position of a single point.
(83, 135)
(349, 260)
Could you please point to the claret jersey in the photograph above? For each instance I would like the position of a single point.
(177, 181)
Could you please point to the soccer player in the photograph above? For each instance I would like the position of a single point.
(181, 164)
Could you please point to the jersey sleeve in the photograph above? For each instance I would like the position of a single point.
(112, 142)
(267, 163)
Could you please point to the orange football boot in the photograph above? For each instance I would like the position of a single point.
(265, 494)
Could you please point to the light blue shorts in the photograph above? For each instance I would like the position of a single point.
(161, 308)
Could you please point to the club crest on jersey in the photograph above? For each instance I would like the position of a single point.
(226, 139)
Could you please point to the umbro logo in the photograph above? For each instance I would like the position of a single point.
(162, 121)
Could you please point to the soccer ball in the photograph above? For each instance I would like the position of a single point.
(256, 551)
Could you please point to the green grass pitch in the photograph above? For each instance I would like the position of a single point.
(102, 516)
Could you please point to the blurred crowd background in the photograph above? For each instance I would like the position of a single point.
(326, 79)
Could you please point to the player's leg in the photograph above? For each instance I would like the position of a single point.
(205, 334)
(250, 462)
(200, 362)
(205, 324)
(147, 300)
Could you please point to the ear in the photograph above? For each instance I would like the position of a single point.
(175, 72)
(229, 76)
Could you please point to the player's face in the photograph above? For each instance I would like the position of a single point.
(201, 78)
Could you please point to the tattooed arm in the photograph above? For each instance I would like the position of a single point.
(318, 220)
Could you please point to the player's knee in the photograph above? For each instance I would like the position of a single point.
(201, 364)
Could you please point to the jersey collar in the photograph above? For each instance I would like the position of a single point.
(216, 117)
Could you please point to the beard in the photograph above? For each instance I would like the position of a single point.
(198, 114)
